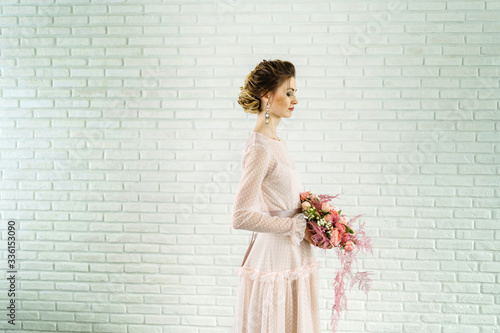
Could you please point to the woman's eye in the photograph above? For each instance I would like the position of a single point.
(289, 94)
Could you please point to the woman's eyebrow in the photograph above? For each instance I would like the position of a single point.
(293, 89)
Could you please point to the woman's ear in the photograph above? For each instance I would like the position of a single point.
(264, 99)
(267, 98)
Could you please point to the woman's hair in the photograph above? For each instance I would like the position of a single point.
(266, 77)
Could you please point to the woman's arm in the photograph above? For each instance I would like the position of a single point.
(244, 215)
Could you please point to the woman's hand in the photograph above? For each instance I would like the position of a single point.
(308, 235)
(320, 244)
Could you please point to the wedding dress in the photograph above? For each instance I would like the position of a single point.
(278, 288)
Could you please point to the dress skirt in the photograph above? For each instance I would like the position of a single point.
(284, 301)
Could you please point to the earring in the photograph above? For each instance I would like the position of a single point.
(267, 115)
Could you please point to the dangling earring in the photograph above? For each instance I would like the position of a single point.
(267, 115)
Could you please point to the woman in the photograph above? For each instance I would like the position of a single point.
(278, 290)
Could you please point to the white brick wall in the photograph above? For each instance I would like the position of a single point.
(121, 137)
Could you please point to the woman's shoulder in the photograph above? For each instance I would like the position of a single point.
(256, 147)
(253, 145)
(255, 141)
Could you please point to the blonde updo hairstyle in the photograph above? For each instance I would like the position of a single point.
(266, 77)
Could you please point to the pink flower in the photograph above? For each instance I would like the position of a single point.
(328, 218)
(340, 226)
(349, 246)
(334, 212)
(304, 195)
(306, 205)
(335, 237)
(325, 207)
(346, 237)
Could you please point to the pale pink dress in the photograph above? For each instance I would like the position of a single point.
(278, 289)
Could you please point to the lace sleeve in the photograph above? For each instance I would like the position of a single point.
(299, 229)
(245, 216)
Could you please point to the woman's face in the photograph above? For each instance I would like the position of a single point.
(283, 99)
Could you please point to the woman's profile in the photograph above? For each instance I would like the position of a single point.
(278, 289)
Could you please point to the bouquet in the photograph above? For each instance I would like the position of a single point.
(331, 227)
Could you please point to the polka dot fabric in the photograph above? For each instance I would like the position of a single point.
(278, 289)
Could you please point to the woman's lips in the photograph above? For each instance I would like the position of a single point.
(290, 109)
